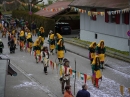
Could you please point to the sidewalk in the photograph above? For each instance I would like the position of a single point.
(21, 86)
(113, 63)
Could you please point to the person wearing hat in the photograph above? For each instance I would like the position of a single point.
(41, 41)
(41, 33)
(22, 39)
(83, 92)
(45, 58)
(65, 77)
(60, 49)
(96, 72)
(37, 50)
(29, 42)
(92, 51)
(52, 43)
(100, 50)
(1, 46)
(68, 91)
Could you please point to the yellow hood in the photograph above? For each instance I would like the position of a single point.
(21, 33)
(94, 60)
(41, 29)
(99, 44)
(29, 35)
(52, 36)
(59, 36)
(36, 42)
(91, 45)
(59, 42)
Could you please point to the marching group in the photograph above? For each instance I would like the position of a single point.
(56, 43)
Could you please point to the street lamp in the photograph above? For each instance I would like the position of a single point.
(30, 12)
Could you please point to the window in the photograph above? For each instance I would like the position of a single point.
(112, 18)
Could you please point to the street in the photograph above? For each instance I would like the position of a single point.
(31, 76)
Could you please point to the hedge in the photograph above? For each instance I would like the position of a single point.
(48, 24)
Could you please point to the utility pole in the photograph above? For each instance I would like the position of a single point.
(30, 11)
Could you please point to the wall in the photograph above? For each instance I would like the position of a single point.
(114, 34)
(110, 41)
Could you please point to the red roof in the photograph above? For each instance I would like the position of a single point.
(119, 4)
(60, 4)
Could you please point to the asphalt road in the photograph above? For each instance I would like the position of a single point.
(25, 63)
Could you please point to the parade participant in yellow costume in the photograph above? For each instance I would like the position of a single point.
(29, 42)
(22, 39)
(52, 43)
(96, 72)
(14, 32)
(100, 50)
(58, 38)
(37, 50)
(42, 34)
(92, 51)
(41, 41)
(60, 50)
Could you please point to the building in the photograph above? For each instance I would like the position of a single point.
(110, 28)
(61, 12)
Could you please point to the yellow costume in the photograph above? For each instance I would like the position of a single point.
(22, 38)
(92, 50)
(60, 50)
(52, 42)
(101, 51)
(96, 70)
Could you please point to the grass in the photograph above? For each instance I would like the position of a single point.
(108, 48)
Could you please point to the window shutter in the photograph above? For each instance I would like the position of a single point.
(106, 16)
(117, 19)
(126, 18)
(94, 17)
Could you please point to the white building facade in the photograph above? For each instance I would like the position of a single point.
(114, 35)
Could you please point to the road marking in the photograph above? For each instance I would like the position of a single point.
(48, 92)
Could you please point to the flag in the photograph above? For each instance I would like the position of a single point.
(50, 63)
(55, 65)
(122, 90)
(73, 73)
(88, 77)
(70, 71)
(61, 71)
(78, 73)
(82, 76)
(85, 78)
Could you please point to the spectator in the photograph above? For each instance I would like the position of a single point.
(1, 46)
(33, 27)
(68, 92)
(83, 92)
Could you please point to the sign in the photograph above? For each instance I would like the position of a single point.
(128, 33)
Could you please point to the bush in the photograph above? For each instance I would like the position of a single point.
(48, 24)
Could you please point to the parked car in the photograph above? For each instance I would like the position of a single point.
(63, 28)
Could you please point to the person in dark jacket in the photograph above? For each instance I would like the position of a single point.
(83, 92)
(1, 46)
